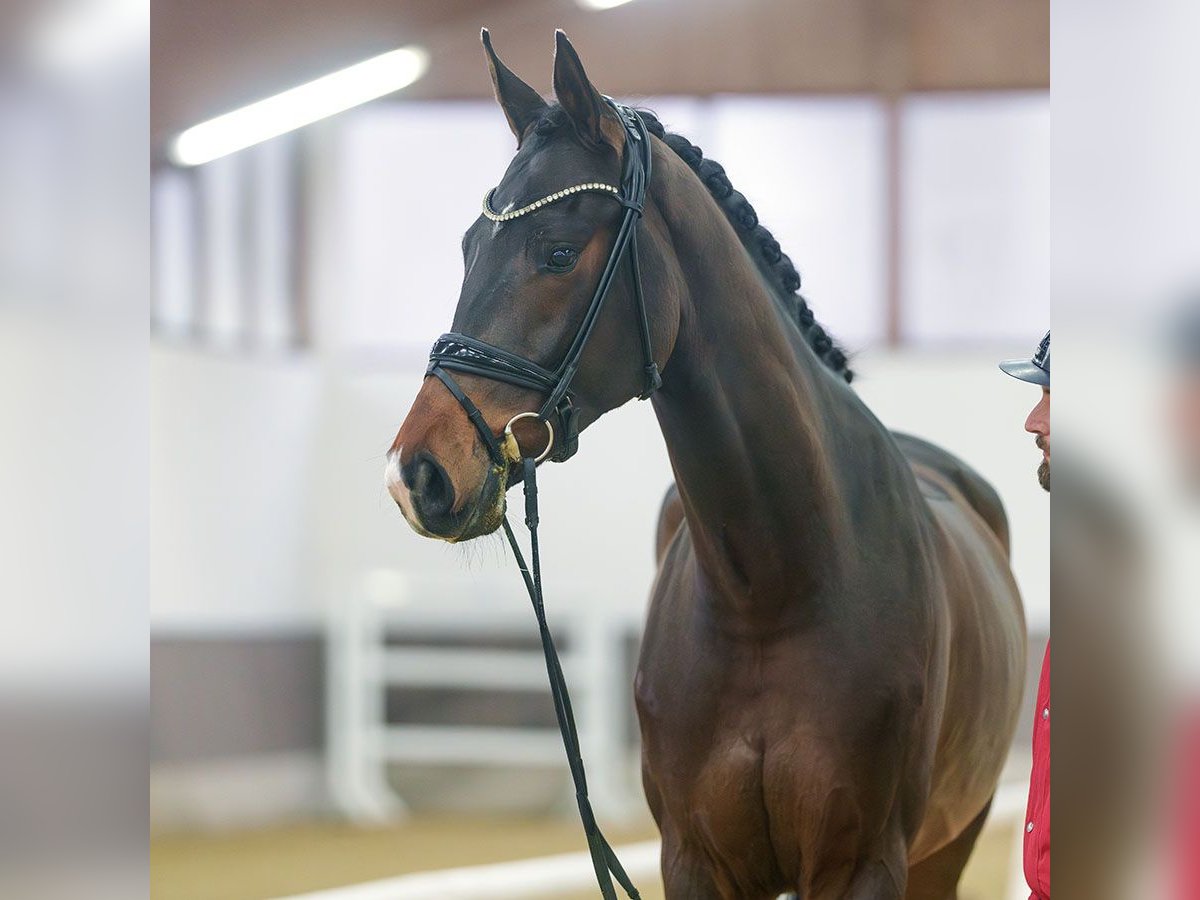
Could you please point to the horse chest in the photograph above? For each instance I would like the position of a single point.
(736, 780)
(706, 730)
(753, 745)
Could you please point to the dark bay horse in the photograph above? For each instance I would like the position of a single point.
(835, 647)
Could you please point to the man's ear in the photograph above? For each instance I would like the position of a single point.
(522, 105)
(588, 111)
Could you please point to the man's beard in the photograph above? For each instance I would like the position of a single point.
(1044, 468)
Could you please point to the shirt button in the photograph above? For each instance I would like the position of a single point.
(1046, 713)
(1029, 828)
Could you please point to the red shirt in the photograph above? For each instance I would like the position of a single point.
(1186, 862)
(1037, 814)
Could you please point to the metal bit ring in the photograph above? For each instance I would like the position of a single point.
(512, 447)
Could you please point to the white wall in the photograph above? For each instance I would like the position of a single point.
(976, 217)
(233, 490)
(268, 504)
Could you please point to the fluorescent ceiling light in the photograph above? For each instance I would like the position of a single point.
(602, 4)
(326, 96)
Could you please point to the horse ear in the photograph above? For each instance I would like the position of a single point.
(587, 109)
(521, 103)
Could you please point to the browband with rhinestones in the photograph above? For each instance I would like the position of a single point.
(538, 204)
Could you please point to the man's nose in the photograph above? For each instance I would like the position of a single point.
(1038, 424)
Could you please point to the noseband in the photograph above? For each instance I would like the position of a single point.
(463, 353)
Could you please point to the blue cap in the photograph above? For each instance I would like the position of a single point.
(1036, 370)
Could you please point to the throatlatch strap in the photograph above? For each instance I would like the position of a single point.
(653, 380)
(604, 860)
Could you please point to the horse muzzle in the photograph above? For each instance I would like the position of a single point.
(429, 502)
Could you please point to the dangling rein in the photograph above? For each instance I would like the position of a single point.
(604, 860)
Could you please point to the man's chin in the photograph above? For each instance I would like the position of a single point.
(1044, 475)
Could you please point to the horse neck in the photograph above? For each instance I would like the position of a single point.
(754, 426)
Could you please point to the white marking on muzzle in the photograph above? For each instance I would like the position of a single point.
(400, 492)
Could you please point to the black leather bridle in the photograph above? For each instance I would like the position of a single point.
(463, 353)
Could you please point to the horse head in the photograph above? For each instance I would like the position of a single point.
(549, 234)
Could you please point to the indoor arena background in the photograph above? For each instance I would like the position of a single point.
(312, 657)
(215, 480)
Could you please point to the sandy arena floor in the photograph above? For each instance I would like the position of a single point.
(254, 865)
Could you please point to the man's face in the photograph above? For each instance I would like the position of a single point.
(1038, 423)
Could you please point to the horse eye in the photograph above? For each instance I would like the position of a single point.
(562, 258)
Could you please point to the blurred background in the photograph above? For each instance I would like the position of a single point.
(335, 699)
(322, 676)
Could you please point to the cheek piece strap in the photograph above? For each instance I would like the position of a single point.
(463, 353)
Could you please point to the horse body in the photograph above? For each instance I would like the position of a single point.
(772, 752)
(834, 650)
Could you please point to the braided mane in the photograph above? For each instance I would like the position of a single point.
(775, 265)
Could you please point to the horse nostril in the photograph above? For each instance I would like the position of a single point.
(430, 487)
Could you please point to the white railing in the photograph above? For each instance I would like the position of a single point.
(437, 619)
